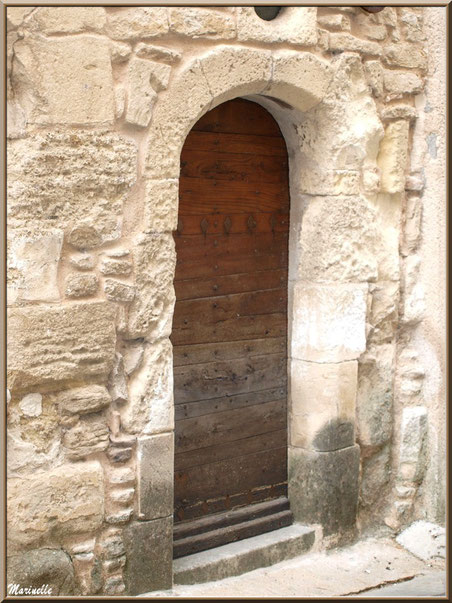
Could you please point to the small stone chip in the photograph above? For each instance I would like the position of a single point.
(84, 237)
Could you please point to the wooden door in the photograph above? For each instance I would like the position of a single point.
(230, 329)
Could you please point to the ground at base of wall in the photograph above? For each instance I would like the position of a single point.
(352, 571)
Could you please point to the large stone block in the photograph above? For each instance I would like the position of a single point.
(68, 19)
(197, 22)
(404, 54)
(75, 177)
(322, 405)
(60, 346)
(323, 488)
(150, 407)
(88, 436)
(398, 82)
(149, 546)
(296, 25)
(299, 78)
(83, 400)
(49, 506)
(51, 568)
(345, 41)
(155, 469)
(339, 240)
(141, 96)
(392, 158)
(161, 204)
(137, 22)
(64, 80)
(329, 322)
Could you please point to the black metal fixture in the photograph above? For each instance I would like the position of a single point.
(267, 13)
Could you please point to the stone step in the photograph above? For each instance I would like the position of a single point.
(240, 557)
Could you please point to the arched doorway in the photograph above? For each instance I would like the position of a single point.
(230, 329)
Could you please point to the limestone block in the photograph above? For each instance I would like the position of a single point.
(412, 445)
(347, 42)
(412, 25)
(155, 469)
(322, 405)
(232, 72)
(120, 101)
(398, 82)
(55, 504)
(83, 261)
(35, 258)
(335, 22)
(399, 112)
(375, 476)
(151, 312)
(116, 267)
(76, 177)
(412, 226)
(31, 405)
(389, 209)
(383, 315)
(148, 547)
(424, 539)
(297, 25)
(15, 15)
(161, 204)
(81, 285)
(328, 322)
(117, 381)
(404, 54)
(88, 436)
(374, 74)
(369, 25)
(413, 299)
(64, 80)
(338, 240)
(157, 53)
(375, 396)
(68, 19)
(299, 78)
(137, 22)
(133, 356)
(55, 346)
(392, 158)
(150, 407)
(118, 292)
(141, 96)
(84, 236)
(323, 488)
(51, 568)
(83, 400)
(26, 456)
(121, 475)
(198, 22)
(120, 52)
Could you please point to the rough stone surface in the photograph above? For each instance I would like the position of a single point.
(120, 52)
(424, 539)
(412, 226)
(137, 22)
(84, 236)
(328, 322)
(157, 53)
(75, 178)
(81, 285)
(116, 267)
(83, 261)
(399, 112)
(15, 15)
(335, 22)
(35, 568)
(413, 299)
(374, 74)
(83, 400)
(199, 22)
(68, 19)
(150, 406)
(322, 405)
(118, 292)
(392, 158)
(117, 381)
(412, 446)
(405, 55)
(296, 25)
(345, 41)
(63, 501)
(375, 476)
(398, 82)
(323, 488)
(161, 203)
(155, 470)
(141, 94)
(148, 546)
(133, 356)
(37, 354)
(31, 405)
(64, 80)
(89, 435)
(383, 316)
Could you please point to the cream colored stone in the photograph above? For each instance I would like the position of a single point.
(120, 101)
(36, 258)
(296, 25)
(118, 292)
(84, 236)
(157, 53)
(335, 22)
(133, 356)
(328, 322)
(117, 381)
(55, 346)
(412, 226)
(383, 316)
(120, 52)
(141, 96)
(68, 19)
(389, 212)
(64, 80)
(88, 436)
(406, 55)
(127, 23)
(300, 79)
(81, 285)
(232, 72)
(31, 405)
(161, 204)
(15, 15)
(374, 75)
(339, 240)
(50, 505)
(83, 400)
(398, 82)
(150, 407)
(392, 158)
(399, 112)
(116, 267)
(412, 25)
(151, 312)
(200, 22)
(76, 178)
(26, 457)
(369, 25)
(83, 261)
(413, 299)
(412, 446)
(345, 41)
(322, 404)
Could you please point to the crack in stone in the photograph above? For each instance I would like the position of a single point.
(380, 585)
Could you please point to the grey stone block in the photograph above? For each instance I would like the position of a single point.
(149, 553)
(155, 460)
(36, 568)
(323, 488)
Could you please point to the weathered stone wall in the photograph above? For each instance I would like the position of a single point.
(99, 103)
